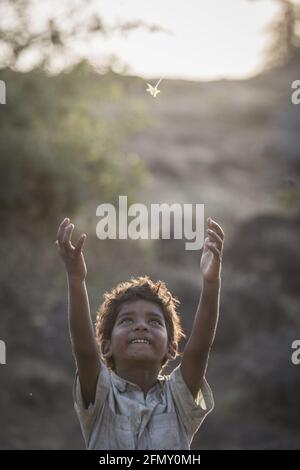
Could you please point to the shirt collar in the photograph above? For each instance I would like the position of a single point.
(122, 384)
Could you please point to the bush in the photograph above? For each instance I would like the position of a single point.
(58, 152)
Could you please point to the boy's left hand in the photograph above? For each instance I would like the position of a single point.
(211, 259)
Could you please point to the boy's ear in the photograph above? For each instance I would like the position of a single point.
(106, 349)
(172, 351)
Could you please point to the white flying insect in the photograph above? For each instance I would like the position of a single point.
(153, 89)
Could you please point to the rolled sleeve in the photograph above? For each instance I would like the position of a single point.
(88, 415)
(191, 411)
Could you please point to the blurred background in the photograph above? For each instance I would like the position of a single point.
(78, 129)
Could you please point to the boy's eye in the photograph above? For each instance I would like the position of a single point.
(156, 321)
(130, 320)
(125, 320)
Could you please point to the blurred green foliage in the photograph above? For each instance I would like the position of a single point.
(59, 145)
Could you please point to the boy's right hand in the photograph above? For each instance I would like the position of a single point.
(71, 255)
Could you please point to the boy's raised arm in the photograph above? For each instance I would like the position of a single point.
(82, 334)
(197, 349)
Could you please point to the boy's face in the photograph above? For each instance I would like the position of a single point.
(139, 335)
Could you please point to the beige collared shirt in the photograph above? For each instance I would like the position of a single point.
(123, 418)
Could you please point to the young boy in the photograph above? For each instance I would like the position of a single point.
(121, 399)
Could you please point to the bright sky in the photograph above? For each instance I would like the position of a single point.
(210, 39)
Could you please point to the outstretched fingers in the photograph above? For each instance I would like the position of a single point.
(61, 230)
(66, 239)
(80, 243)
(64, 234)
(212, 247)
(215, 227)
(214, 237)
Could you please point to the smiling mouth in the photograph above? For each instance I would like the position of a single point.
(140, 341)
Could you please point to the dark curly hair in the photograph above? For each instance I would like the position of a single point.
(134, 289)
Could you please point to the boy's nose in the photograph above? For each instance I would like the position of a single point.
(141, 325)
